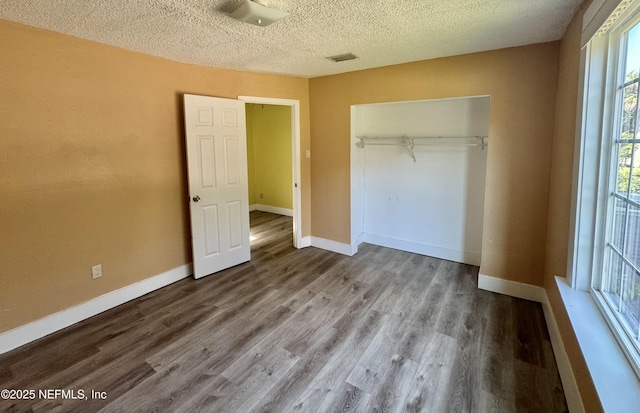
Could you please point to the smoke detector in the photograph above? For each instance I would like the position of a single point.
(254, 13)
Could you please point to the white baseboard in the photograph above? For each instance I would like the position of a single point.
(467, 257)
(538, 294)
(334, 246)
(568, 379)
(57, 321)
(305, 242)
(359, 239)
(274, 210)
(512, 288)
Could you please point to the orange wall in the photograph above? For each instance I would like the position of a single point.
(92, 161)
(522, 84)
(92, 165)
(560, 202)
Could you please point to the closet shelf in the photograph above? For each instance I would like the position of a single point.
(411, 142)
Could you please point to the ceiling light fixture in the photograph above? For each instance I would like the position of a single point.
(254, 13)
(342, 57)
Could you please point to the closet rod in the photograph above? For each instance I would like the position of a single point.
(419, 141)
(410, 142)
(420, 144)
(404, 139)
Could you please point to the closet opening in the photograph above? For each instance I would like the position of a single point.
(418, 172)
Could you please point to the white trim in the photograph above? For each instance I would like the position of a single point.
(538, 294)
(577, 214)
(295, 158)
(569, 383)
(466, 257)
(512, 288)
(57, 321)
(305, 242)
(272, 209)
(616, 383)
(334, 246)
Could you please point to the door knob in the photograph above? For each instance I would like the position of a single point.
(196, 198)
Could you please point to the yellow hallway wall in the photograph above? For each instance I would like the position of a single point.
(522, 84)
(92, 165)
(270, 157)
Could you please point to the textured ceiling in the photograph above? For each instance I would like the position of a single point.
(379, 32)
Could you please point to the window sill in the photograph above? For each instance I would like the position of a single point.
(615, 381)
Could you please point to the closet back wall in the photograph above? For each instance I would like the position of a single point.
(435, 205)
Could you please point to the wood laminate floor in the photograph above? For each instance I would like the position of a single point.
(301, 331)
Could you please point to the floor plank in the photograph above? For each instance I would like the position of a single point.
(302, 331)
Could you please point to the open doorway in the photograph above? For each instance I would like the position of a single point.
(273, 137)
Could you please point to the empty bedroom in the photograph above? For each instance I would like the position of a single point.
(319, 206)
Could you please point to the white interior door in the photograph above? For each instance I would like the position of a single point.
(218, 183)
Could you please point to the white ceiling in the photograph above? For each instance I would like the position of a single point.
(379, 32)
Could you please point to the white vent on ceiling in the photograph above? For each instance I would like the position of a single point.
(254, 13)
(342, 57)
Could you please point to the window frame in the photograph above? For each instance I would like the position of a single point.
(603, 62)
(619, 39)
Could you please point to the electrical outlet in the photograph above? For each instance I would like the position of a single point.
(261, 195)
(96, 271)
(308, 153)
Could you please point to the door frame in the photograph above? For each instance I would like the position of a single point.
(295, 157)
